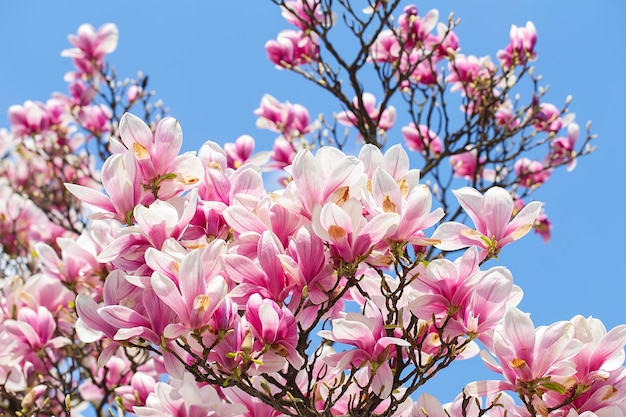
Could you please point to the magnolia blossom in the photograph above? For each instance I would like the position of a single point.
(414, 29)
(526, 354)
(29, 119)
(386, 47)
(291, 49)
(373, 347)
(384, 120)
(274, 329)
(185, 399)
(90, 48)
(470, 74)
(422, 139)
(531, 174)
(162, 169)
(304, 13)
(562, 148)
(491, 214)
(290, 120)
(521, 48)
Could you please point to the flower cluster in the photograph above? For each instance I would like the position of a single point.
(177, 284)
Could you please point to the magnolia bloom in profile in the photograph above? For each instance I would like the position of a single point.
(305, 14)
(372, 347)
(384, 120)
(421, 139)
(184, 398)
(521, 48)
(290, 120)
(562, 148)
(159, 164)
(415, 30)
(348, 233)
(28, 119)
(531, 173)
(90, 48)
(491, 214)
(275, 331)
(527, 355)
(292, 48)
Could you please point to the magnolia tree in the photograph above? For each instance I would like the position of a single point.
(137, 280)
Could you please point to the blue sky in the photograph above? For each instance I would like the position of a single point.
(206, 61)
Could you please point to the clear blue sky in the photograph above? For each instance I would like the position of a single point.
(206, 61)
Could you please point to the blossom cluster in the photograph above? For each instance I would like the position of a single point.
(176, 284)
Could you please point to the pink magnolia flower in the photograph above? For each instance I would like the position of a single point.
(274, 329)
(137, 391)
(521, 48)
(602, 352)
(543, 227)
(90, 48)
(290, 120)
(348, 233)
(372, 347)
(133, 93)
(240, 152)
(531, 174)
(33, 332)
(548, 118)
(122, 183)
(162, 169)
(563, 148)
(491, 214)
(464, 164)
(526, 355)
(221, 185)
(384, 120)
(385, 48)
(422, 139)
(473, 300)
(184, 398)
(445, 44)
(82, 94)
(307, 263)
(470, 74)
(155, 224)
(96, 119)
(420, 66)
(412, 205)
(30, 119)
(264, 276)
(415, 30)
(305, 14)
(291, 49)
(329, 176)
(282, 154)
(254, 406)
(197, 293)
(505, 116)
(77, 266)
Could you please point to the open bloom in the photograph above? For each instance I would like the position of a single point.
(90, 48)
(162, 169)
(491, 214)
(291, 49)
(371, 347)
(527, 355)
(384, 120)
